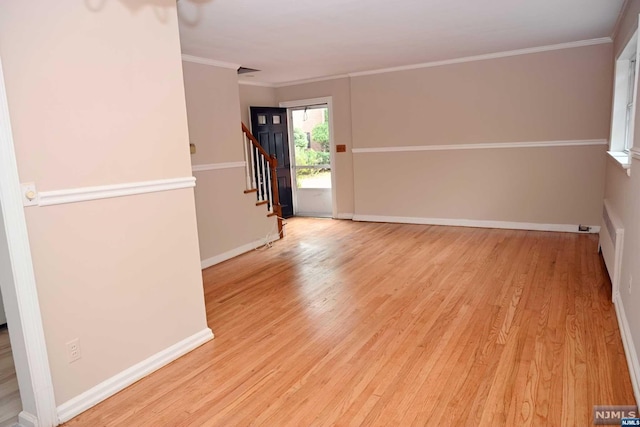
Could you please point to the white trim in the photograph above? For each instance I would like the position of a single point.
(332, 142)
(83, 194)
(217, 166)
(211, 62)
(635, 153)
(344, 216)
(629, 347)
(118, 382)
(206, 263)
(305, 102)
(567, 228)
(21, 296)
(254, 83)
(495, 55)
(26, 419)
(314, 215)
(534, 144)
(312, 80)
(616, 27)
(620, 159)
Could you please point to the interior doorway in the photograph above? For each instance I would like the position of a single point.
(312, 151)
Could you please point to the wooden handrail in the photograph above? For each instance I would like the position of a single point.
(273, 167)
(256, 144)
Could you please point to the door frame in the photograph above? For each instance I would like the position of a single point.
(328, 100)
(24, 318)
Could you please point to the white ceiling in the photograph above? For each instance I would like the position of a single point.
(293, 40)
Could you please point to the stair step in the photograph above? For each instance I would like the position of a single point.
(263, 202)
(253, 190)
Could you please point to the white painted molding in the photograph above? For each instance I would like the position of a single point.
(217, 166)
(344, 216)
(21, 296)
(635, 153)
(484, 57)
(118, 382)
(83, 194)
(206, 263)
(566, 228)
(332, 141)
(481, 146)
(305, 102)
(312, 80)
(495, 55)
(255, 83)
(616, 27)
(211, 62)
(629, 347)
(26, 419)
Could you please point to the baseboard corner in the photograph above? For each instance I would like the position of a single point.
(217, 259)
(118, 382)
(27, 419)
(629, 348)
(344, 216)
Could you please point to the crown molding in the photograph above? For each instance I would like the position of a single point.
(495, 55)
(616, 27)
(253, 83)
(211, 62)
(312, 80)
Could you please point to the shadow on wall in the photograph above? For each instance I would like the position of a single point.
(189, 11)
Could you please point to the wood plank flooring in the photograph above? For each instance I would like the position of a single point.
(10, 404)
(346, 324)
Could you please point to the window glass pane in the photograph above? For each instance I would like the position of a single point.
(262, 119)
(313, 177)
(276, 120)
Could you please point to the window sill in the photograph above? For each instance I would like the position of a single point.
(623, 160)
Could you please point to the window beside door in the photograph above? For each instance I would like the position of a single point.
(312, 147)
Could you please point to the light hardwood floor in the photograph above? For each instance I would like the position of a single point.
(10, 405)
(345, 323)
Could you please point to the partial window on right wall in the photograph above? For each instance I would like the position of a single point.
(624, 101)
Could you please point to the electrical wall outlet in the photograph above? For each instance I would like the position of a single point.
(630, 283)
(73, 350)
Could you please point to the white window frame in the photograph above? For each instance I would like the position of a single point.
(624, 103)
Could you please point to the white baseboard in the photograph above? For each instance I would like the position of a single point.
(344, 216)
(629, 347)
(27, 419)
(206, 263)
(568, 228)
(108, 388)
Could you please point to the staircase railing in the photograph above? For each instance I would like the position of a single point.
(261, 176)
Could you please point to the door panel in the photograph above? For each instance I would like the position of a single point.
(269, 126)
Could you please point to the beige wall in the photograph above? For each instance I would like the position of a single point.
(623, 192)
(227, 218)
(213, 108)
(255, 96)
(530, 185)
(340, 91)
(96, 98)
(549, 96)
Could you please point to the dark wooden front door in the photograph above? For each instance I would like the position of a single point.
(269, 126)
